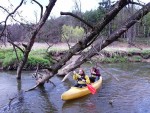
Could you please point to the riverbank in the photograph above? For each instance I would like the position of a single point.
(44, 56)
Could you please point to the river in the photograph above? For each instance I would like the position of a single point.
(131, 94)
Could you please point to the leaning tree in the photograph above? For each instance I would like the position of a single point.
(92, 38)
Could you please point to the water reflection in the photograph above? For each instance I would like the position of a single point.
(83, 105)
(48, 106)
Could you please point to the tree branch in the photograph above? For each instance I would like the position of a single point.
(16, 46)
(40, 7)
(77, 17)
(113, 37)
(33, 35)
(83, 43)
(10, 14)
(136, 3)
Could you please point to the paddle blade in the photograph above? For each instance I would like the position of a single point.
(91, 89)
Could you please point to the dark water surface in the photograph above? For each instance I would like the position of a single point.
(131, 94)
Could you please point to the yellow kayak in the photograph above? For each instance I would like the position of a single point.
(75, 92)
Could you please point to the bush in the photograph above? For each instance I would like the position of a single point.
(34, 60)
(114, 59)
(72, 33)
(35, 57)
(10, 59)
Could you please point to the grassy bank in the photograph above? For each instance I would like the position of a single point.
(114, 53)
(8, 59)
(128, 55)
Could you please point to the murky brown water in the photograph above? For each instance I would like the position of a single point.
(131, 94)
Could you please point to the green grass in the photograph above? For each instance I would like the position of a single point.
(114, 59)
(39, 56)
(8, 57)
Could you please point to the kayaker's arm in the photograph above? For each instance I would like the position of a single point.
(87, 79)
(75, 76)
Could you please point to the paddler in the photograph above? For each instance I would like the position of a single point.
(95, 74)
(81, 78)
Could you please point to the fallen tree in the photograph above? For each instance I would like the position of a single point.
(92, 36)
(100, 44)
(85, 42)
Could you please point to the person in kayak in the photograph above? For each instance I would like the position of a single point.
(95, 74)
(81, 78)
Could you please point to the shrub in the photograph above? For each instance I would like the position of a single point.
(35, 57)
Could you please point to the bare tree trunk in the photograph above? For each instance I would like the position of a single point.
(113, 37)
(88, 40)
(132, 31)
(33, 36)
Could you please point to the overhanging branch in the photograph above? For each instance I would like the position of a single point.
(113, 37)
(77, 17)
(16, 46)
(136, 3)
(40, 7)
(83, 43)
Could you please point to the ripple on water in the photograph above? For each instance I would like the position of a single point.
(128, 95)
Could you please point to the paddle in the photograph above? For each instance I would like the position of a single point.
(91, 89)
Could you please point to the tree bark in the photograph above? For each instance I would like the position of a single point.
(86, 41)
(113, 37)
(33, 36)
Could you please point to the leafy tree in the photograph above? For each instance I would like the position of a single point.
(147, 25)
(71, 33)
(93, 16)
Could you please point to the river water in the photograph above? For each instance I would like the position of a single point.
(131, 94)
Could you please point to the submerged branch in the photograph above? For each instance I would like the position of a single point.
(32, 88)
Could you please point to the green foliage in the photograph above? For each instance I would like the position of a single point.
(147, 19)
(147, 24)
(114, 59)
(10, 58)
(34, 60)
(93, 16)
(2, 55)
(145, 52)
(136, 58)
(35, 57)
(72, 33)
